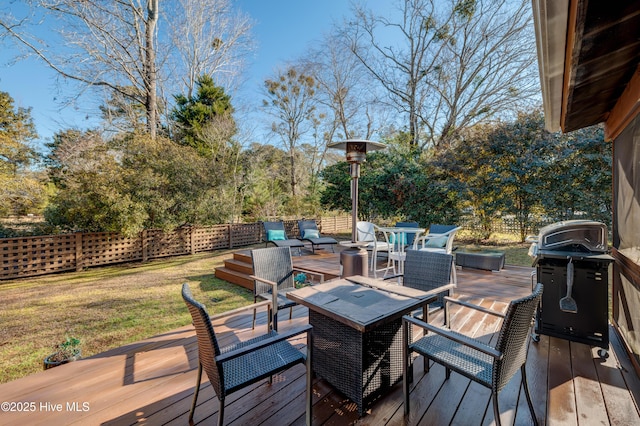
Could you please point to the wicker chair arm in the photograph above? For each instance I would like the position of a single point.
(271, 283)
(390, 277)
(251, 307)
(274, 291)
(275, 337)
(456, 337)
(472, 306)
(438, 290)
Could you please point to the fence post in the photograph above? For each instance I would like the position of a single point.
(230, 232)
(143, 244)
(193, 249)
(79, 251)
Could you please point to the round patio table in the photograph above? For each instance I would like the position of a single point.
(400, 236)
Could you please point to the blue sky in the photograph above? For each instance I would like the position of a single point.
(283, 30)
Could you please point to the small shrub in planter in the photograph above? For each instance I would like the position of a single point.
(300, 280)
(67, 351)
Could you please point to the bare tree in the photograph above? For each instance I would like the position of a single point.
(447, 64)
(106, 43)
(291, 102)
(342, 89)
(208, 37)
(117, 45)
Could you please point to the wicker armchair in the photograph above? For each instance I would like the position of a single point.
(274, 233)
(309, 232)
(491, 366)
(428, 271)
(272, 276)
(236, 366)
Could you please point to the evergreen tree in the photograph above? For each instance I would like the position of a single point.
(194, 116)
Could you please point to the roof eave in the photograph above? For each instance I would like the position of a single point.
(550, 23)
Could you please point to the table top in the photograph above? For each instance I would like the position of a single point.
(359, 302)
(405, 229)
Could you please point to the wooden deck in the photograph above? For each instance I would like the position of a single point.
(152, 381)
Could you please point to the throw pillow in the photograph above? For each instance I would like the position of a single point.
(400, 239)
(436, 242)
(275, 234)
(311, 233)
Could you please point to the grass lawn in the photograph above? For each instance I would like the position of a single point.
(105, 307)
(108, 307)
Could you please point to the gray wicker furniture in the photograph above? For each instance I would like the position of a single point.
(309, 232)
(273, 276)
(274, 233)
(489, 260)
(491, 366)
(238, 365)
(428, 271)
(357, 334)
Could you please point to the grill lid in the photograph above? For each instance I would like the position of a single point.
(574, 235)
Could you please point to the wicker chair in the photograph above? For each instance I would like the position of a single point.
(428, 271)
(274, 233)
(236, 366)
(491, 366)
(309, 232)
(272, 278)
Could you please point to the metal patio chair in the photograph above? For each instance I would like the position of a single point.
(274, 233)
(367, 232)
(231, 368)
(309, 232)
(439, 239)
(491, 366)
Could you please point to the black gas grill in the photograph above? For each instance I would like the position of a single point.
(573, 254)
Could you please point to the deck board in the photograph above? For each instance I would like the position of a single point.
(152, 381)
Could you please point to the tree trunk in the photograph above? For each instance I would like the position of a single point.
(150, 73)
(293, 175)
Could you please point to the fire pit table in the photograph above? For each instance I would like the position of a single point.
(357, 333)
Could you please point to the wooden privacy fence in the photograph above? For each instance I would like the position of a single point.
(31, 256)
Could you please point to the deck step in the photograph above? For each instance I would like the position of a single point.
(243, 256)
(239, 266)
(234, 277)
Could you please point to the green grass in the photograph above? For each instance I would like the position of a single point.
(105, 307)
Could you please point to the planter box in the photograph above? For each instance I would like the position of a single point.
(485, 259)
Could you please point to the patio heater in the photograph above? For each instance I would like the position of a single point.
(353, 261)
